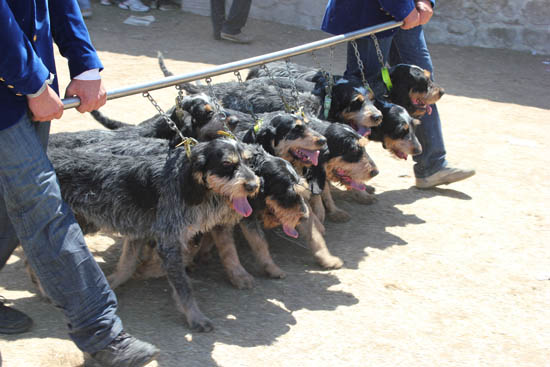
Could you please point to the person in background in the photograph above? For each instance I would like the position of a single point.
(343, 16)
(229, 28)
(85, 8)
(32, 211)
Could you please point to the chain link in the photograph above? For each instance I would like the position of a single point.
(188, 142)
(294, 89)
(379, 51)
(288, 109)
(249, 105)
(360, 64)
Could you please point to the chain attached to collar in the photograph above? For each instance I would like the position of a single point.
(219, 111)
(329, 81)
(288, 109)
(384, 65)
(188, 142)
(361, 66)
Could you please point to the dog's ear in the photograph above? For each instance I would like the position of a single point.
(193, 188)
(316, 178)
(427, 73)
(266, 138)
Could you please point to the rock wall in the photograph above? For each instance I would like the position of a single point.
(522, 25)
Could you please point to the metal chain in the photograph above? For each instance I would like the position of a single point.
(379, 51)
(278, 88)
(219, 110)
(294, 89)
(249, 105)
(360, 64)
(329, 81)
(184, 140)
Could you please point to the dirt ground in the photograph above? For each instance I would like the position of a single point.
(455, 276)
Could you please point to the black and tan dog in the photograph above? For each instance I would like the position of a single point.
(170, 200)
(411, 88)
(397, 130)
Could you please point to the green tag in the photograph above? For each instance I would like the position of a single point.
(328, 101)
(259, 123)
(386, 78)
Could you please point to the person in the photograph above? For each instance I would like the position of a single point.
(431, 168)
(85, 8)
(229, 28)
(32, 211)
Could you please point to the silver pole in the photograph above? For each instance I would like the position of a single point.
(238, 65)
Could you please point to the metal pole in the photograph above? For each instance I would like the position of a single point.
(238, 65)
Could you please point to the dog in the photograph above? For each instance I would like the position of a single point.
(412, 88)
(170, 199)
(345, 162)
(397, 130)
(349, 101)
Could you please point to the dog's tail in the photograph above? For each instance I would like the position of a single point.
(107, 122)
(165, 70)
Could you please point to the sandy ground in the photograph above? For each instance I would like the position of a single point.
(456, 276)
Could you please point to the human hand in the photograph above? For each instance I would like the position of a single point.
(47, 106)
(92, 94)
(425, 10)
(412, 20)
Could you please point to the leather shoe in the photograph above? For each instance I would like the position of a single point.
(444, 176)
(125, 351)
(13, 321)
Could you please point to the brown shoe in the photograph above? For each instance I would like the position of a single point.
(237, 38)
(444, 176)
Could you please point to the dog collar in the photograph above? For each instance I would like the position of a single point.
(386, 78)
(258, 125)
(326, 106)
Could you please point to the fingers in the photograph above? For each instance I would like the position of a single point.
(412, 20)
(91, 93)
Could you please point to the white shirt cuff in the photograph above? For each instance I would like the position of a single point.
(92, 74)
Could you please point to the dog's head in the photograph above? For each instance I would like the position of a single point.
(283, 191)
(220, 166)
(347, 161)
(352, 104)
(199, 106)
(288, 136)
(396, 133)
(414, 89)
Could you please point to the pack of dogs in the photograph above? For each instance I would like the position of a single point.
(174, 203)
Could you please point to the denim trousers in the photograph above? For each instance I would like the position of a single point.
(407, 47)
(34, 214)
(235, 20)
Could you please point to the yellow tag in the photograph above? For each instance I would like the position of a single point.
(386, 78)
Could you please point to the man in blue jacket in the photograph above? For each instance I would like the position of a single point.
(344, 16)
(32, 211)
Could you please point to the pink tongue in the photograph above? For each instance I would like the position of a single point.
(429, 109)
(291, 232)
(358, 186)
(242, 206)
(363, 131)
(313, 155)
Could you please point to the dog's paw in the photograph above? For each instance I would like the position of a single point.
(330, 262)
(363, 197)
(273, 271)
(241, 279)
(370, 189)
(201, 324)
(339, 216)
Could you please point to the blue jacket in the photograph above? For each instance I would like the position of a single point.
(343, 16)
(28, 29)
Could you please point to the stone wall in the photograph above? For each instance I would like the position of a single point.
(515, 24)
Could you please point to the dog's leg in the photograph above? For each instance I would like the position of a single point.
(318, 208)
(225, 243)
(204, 254)
(320, 226)
(309, 230)
(334, 213)
(260, 248)
(170, 252)
(150, 266)
(127, 263)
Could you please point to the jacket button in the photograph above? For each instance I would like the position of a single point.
(34, 38)
(18, 94)
(10, 86)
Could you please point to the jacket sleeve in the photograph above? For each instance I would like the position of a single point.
(399, 9)
(71, 36)
(21, 70)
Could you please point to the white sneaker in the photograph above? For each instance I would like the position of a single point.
(444, 176)
(133, 5)
(106, 2)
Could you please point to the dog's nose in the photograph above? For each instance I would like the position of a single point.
(250, 186)
(417, 150)
(441, 92)
(374, 172)
(377, 118)
(321, 141)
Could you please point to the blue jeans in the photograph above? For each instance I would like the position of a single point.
(34, 214)
(411, 48)
(236, 19)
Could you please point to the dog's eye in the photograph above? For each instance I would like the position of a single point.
(356, 104)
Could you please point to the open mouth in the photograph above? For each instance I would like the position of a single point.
(421, 105)
(289, 230)
(305, 155)
(348, 181)
(242, 206)
(361, 130)
(399, 154)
